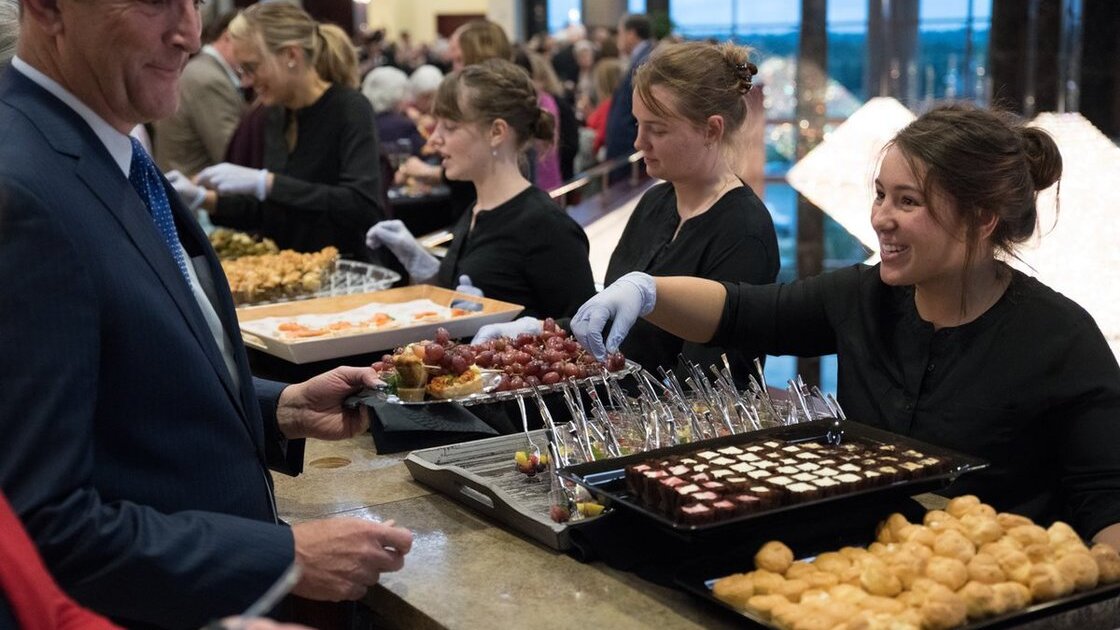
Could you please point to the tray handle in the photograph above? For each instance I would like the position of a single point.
(478, 494)
(253, 340)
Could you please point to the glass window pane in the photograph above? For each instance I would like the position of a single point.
(561, 13)
(636, 6)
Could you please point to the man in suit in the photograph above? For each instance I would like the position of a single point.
(134, 442)
(634, 40)
(210, 107)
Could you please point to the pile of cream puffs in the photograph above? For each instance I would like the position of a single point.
(966, 562)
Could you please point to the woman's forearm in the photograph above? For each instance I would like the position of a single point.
(1109, 535)
(690, 308)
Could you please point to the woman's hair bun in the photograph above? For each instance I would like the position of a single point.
(545, 126)
(1043, 157)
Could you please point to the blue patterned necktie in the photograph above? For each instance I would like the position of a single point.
(145, 178)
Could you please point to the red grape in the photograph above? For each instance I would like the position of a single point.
(442, 336)
(553, 356)
(522, 357)
(571, 370)
(533, 368)
(380, 366)
(485, 359)
(549, 325)
(458, 365)
(550, 378)
(503, 384)
(516, 382)
(615, 361)
(571, 345)
(500, 344)
(524, 339)
(433, 353)
(532, 381)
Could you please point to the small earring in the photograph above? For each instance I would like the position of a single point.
(291, 64)
(494, 152)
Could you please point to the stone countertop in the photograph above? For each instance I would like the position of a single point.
(466, 571)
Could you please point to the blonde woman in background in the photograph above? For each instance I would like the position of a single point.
(319, 181)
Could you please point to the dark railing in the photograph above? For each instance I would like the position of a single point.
(599, 173)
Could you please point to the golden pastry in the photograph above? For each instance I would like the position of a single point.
(981, 529)
(1038, 552)
(854, 553)
(877, 579)
(820, 580)
(734, 590)
(1011, 596)
(832, 562)
(1047, 582)
(765, 582)
(984, 568)
(939, 521)
(1008, 520)
(1028, 535)
(906, 566)
(952, 543)
(1015, 564)
(799, 569)
(774, 556)
(893, 523)
(848, 593)
(959, 506)
(919, 534)
(1080, 568)
(878, 604)
(945, 611)
(761, 605)
(982, 509)
(948, 571)
(1060, 532)
(980, 600)
(1108, 562)
(792, 589)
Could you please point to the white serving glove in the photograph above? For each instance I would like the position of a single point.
(628, 298)
(395, 236)
(231, 179)
(465, 286)
(530, 325)
(192, 195)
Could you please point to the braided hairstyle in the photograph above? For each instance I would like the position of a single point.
(706, 80)
(496, 88)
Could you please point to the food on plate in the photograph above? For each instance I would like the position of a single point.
(233, 244)
(938, 591)
(448, 386)
(526, 361)
(285, 274)
(530, 463)
(706, 486)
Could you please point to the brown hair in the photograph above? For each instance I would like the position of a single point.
(706, 79)
(480, 40)
(988, 163)
(484, 92)
(608, 75)
(279, 25)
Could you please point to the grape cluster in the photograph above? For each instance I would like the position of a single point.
(526, 361)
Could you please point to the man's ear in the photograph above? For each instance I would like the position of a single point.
(46, 14)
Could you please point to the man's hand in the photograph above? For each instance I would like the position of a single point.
(314, 407)
(341, 557)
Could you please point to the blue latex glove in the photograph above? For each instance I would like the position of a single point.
(231, 179)
(630, 297)
(465, 286)
(396, 238)
(530, 325)
(192, 195)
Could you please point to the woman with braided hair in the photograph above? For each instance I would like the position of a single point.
(514, 243)
(702, 221)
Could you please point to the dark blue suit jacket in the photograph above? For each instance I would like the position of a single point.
(135, 463)
(622, 127)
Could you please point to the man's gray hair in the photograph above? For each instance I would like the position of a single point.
(385, 87)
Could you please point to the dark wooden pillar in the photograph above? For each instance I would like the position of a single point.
(1023, 54)
(892, 47)
(535, 17)
(1100, 75)
(812, 82)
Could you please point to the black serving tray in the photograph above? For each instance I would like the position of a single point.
(702, 587)
(606, 479)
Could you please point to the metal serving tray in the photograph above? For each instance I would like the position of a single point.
(606, 478)
(481, 475)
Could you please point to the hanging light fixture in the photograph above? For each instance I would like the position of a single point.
(1074, 250)
(837, 175)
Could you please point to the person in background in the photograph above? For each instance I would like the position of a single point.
(514, 243)
(476, 41)
(549, 172)
(423, 83)
(635, 35)
(584, 85)
(608, 75)
(320, 182)
(210, 107)
(387, 90)
(9, 31)
(702, 221)
(942, 340)
(136, 442)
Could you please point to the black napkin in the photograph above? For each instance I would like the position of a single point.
(396, 428)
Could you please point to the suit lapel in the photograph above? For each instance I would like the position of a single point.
(68, 134)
